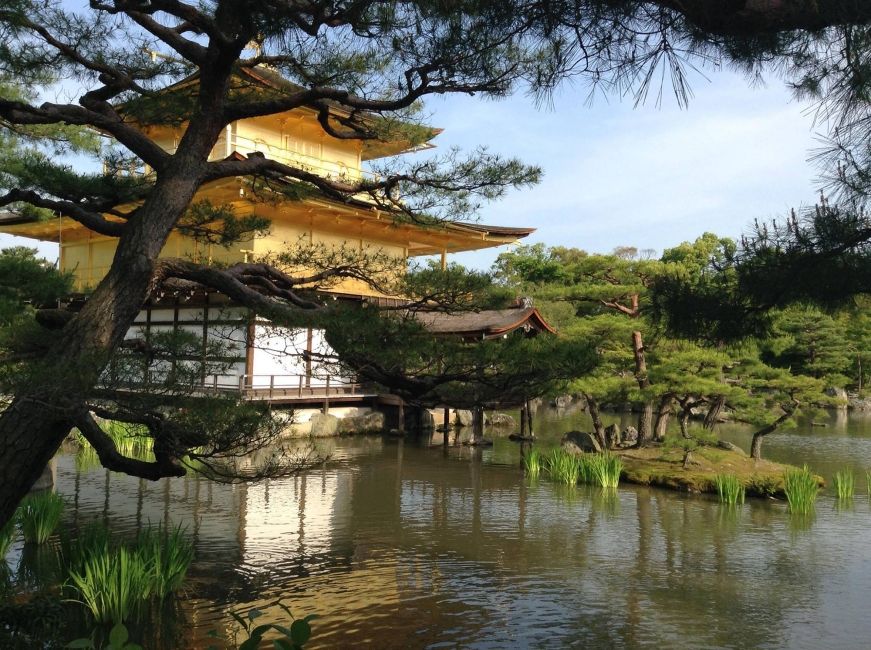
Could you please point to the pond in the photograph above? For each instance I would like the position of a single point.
(406, 543)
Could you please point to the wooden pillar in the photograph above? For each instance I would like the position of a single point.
(529, 428)
(444, 260)
(523, 409)
(327, 398)
(250, 340)
(477, 425)
(446, 425)
(400, 425)
(205, 339)
(308, 357)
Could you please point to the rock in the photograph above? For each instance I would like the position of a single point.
(516, 437)
(323, 426)
(840, 395)
(580, 442)
(860, 403)
(480, 442)
(562, 401)
(463, 418)
(499, 420)
(369, 423)
(580, 401)
(629, 436)
(724, 444)
(612, 435)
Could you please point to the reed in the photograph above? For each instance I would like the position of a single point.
(845, 483)
(729, 489)
(169, 553)
(868, 482)
(113, 584)
(7, 535)
(563, 467)
(532, 462)
(39, 515)
(118, 583)
(801, 490)
(605, 470)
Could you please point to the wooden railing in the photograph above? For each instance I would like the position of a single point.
(282, 386)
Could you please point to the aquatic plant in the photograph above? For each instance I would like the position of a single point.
(801, 490)
(532, 462)
(563, 467)
(169, 554)
(119, 582)
(295, 636)
(39, 514)
(113, 584)
(845, 483)
(868, 482)
(729, 489)
(7, 534)
(605, 470)
(119, 639)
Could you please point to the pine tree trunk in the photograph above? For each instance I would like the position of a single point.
(645, 419)
(598, 427)
(662, 417)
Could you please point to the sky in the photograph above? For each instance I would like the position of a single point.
(650, 177)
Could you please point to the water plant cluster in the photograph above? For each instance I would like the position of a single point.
(131, 440)
(801, 489)
(121, 581)
(561, 466)
(730, 489)
(845, 484)
(37, 517)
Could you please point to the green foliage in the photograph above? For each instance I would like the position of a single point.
(604, 470)
(26, 280)
(288, 638)
(119, 582)
(7, 536)
(845, 483)
(730, 490)
(532, 463)
(39, 515)
(119, 639)
(763, 486)
(801, 489)
(220, 225)
(563, 467)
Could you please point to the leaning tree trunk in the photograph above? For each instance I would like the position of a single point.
(756, 443)
(598, 427)
(39, 417)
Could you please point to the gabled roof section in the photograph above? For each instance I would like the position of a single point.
(486, 324)
(267, 79)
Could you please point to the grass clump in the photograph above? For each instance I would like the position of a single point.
(729, 489)
(604, 470)
(845, 484)
(532, 463)
(119, 583)
(7, 535)
(801, 490)
(39, 515)
(563, 467)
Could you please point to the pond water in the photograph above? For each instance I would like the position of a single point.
(406, 543)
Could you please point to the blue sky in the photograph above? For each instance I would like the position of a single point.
(649, 177)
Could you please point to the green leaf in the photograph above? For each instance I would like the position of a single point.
(133, 646)
(241, 621)
(311, 617)
(300, 631)
(282, 644)
(252, 643)
(254, 613)
(118, 636)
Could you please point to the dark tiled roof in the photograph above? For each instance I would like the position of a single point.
(485, 324)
